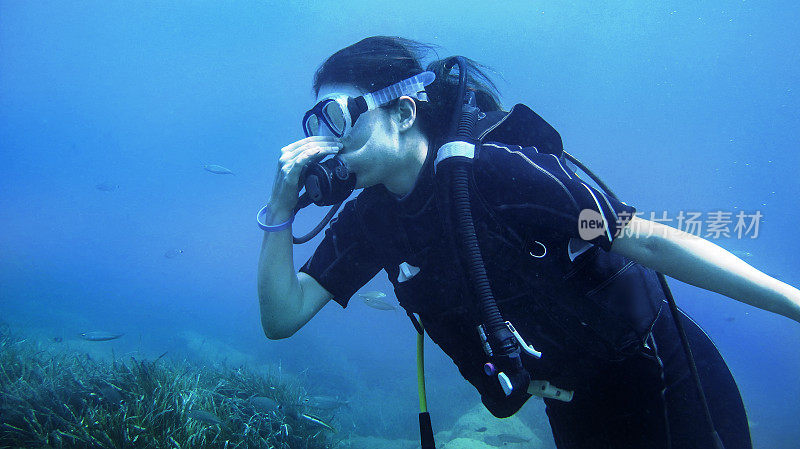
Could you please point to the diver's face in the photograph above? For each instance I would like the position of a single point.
(371, 142)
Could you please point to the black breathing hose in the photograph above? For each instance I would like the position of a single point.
(504, 350)
(305, 202)
(463, 123)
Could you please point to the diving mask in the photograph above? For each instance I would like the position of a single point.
(335, 114)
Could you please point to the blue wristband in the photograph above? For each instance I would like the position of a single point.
(273, 228)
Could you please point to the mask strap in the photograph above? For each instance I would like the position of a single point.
(413, 87)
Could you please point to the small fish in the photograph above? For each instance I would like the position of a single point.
(294, 412)
(173, 253)
(99, 336)
(317, 421)
(493, 440)
(373, 299)
(110, 394)
(218, 169)
(263, 404)
(504, 439)
(106, 187)
(742, 254)
(481, 429)
(57, 339)
(325, 402)
(372, 295)
(204, 417)
(730, 319)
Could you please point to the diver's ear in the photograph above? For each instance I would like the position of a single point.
(405, 114)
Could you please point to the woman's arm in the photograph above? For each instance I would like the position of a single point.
(699, 262)
(287, 300)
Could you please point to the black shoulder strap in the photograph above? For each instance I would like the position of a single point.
(520, 126)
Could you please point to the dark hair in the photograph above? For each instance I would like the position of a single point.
(379, 61)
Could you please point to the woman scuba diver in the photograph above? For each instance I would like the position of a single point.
(589, 300)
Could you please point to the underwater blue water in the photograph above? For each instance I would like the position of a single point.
(109, 110)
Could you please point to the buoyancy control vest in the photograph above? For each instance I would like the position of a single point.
(572, 323)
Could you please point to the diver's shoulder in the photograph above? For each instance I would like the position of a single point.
(493, 155)
(499, 165)
(492, 146)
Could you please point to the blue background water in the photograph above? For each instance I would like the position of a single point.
(678, 106)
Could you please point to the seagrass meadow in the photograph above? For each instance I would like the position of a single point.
(54, 398)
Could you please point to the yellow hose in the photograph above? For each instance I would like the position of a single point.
(423, 401)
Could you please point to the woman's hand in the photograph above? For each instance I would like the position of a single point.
(294, 157)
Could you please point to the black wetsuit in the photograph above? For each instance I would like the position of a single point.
(596, 316)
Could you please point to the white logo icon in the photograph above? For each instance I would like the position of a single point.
(591, 224)
(407, 272)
